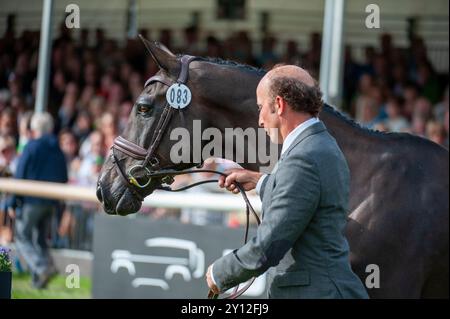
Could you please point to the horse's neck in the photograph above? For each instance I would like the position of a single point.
(236, 109)
(254, 153)
(357, 144)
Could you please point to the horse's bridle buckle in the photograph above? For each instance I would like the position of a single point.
(168, 179)
(134, 181)
(154, 163)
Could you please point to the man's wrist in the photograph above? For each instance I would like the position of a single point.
(257, 176)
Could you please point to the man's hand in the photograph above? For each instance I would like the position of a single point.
(210, 282)
(248, 179)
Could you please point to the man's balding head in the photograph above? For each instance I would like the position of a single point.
(296, 86)
(290, 71)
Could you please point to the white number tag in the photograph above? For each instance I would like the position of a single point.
(178, 96)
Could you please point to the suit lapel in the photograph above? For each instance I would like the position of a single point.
(313, 129)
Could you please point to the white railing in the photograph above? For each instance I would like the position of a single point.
(213, 202)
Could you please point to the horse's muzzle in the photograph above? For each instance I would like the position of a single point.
(107, 207)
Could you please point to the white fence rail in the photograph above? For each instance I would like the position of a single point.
(213, 202)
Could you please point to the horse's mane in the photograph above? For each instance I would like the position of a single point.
(230, 63)
(350, 121)
(398, 136)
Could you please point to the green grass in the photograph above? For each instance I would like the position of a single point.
(56, 289)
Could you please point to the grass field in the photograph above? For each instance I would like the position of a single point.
(56, 288)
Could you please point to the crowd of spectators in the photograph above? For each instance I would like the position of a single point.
(398, 90)
(93, 88)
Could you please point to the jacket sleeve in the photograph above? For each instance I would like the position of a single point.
(20, 173)
(295, 198)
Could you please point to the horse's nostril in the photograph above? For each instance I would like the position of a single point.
(99, 194)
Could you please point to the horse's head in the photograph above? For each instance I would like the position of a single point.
(131, 171)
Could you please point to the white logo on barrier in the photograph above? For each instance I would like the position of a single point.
(192, 266)
(73, 19)
(73, 279)
(373, 19)
(195, 262)
(178, 96)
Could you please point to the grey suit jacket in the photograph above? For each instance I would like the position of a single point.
(301, 240)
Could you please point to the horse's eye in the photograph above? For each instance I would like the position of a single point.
(143, 108)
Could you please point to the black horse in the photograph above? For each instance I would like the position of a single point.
(398, 218)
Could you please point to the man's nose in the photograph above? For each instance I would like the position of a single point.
(260, 122)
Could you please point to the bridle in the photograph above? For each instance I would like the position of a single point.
(150, 167)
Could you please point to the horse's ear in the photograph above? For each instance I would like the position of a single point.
(165, 59)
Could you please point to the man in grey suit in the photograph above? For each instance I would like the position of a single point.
(304, 200)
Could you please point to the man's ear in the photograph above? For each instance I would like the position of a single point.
(280, 105)
(165, 59)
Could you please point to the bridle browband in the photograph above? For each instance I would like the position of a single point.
(151, 168)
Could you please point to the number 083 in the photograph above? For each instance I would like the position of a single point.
(179, 96)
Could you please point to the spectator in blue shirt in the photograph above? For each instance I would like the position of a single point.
(42, 160)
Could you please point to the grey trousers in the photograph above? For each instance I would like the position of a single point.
(32, 225)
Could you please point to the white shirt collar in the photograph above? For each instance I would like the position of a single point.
(296, 132)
